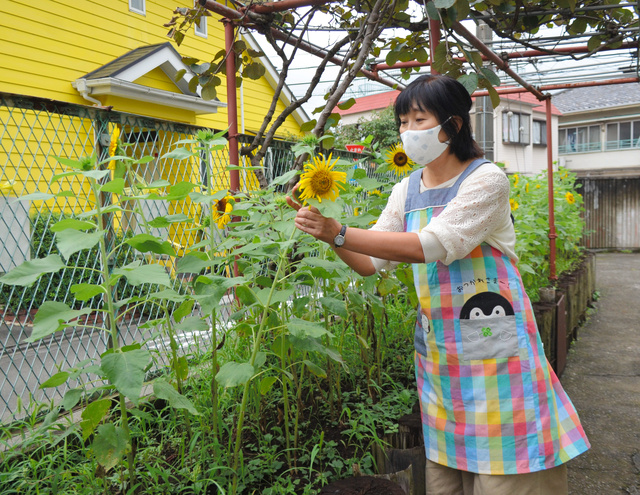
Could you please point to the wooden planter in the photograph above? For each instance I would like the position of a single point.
(403, 458)
(559, 314)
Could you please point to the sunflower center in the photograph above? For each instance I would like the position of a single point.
(400, 159)
(321, 182)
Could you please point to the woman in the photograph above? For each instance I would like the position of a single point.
(495, 417)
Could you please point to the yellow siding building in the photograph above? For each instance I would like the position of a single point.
(47, 45)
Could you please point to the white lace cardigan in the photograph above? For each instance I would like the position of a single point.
(480, 212)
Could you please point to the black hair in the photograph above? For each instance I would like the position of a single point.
(444, 97)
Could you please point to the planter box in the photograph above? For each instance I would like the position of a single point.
(558, 319)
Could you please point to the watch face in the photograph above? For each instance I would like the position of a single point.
(339, 240)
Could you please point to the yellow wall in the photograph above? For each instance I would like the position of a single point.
(50, 43)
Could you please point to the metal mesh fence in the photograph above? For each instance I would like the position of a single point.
(33, 132)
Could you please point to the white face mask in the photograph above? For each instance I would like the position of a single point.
(423, 146)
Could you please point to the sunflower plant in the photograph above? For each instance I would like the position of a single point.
(530, 208)
(122, 368)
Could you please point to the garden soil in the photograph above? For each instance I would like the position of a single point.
(602, 377)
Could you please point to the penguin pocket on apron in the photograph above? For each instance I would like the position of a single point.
(489, 338)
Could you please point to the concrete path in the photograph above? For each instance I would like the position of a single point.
(602, 377)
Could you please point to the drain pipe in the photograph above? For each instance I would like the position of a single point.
(552, 218)
(232, 107)
(83, 89)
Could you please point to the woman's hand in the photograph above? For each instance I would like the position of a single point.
(311, 221)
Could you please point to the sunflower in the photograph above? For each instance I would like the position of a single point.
(516, 179)
(6, 187)
(569, 197)
(113, 147)
(398, 160)
(223, 208)
(320, 181)
(514, 204)
(526, 187)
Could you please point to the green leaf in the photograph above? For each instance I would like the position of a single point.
(183, 310)
(432, 11)
(71, 398)
(137, 274)
(84, 292)
(72, 223)
(192, 324)
(37, 196)
(180, 74)
(266, 384)
(92, 415)
(304, 328)
(388, 285)
(30, 271)
(110, 446)
(493, 78)
(168, 295)
(232, 374)
(469, 81)
(126, 370)
(56, 380)
(284, 178)
(209, 92)
(180, 154)
(167, 220)
(495, 97)
(254, 70)
(166, 391)
(53, 316)
(334, 306)
(71, 241)
(308, 126)
(444, 4)
(194, 263)
(594, 42)
(146, 243)
(277, 297)
(315, 369)
(114, 186)
(347, 104)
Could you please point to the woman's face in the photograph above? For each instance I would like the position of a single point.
(420, 120)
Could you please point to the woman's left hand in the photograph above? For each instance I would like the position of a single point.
(311, 221)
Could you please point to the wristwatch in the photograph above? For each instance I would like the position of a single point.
(339, 239)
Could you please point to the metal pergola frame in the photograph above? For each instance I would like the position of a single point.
(246, 16)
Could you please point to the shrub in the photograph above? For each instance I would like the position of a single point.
(530, 208)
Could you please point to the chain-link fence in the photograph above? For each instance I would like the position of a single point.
(33, 132)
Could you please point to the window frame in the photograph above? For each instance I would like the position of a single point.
(142, 11)
(581, 139)
(524, 128)
(618, 144)
(543, 132)
(197, 27)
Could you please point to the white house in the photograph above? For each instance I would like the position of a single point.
(599, 131)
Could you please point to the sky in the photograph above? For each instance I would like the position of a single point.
(543, 70)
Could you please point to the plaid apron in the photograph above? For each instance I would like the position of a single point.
(490, 401)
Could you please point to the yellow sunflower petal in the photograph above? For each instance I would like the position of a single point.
(398, 160)
(320, 181)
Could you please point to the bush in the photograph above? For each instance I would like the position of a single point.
(530, 208)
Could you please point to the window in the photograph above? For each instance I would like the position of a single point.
(623, 135)
(201, 27)
(515, 127)
(137, 6)
(539, 132)
(579, 139)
